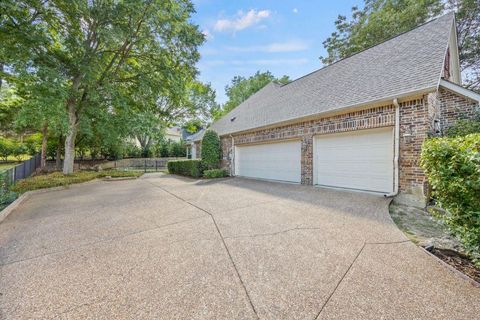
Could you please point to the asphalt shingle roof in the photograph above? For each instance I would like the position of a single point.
(407, 63)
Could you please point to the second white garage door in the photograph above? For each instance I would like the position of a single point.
(357, 160)
(273, 161)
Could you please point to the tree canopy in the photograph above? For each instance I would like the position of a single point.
(380, 20)
(101, 60)
(241, 88)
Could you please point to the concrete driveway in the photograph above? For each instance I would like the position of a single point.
(164, 247)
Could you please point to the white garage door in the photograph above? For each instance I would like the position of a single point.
(357, 160)
(273, 161)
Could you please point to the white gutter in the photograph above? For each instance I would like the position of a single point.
(396, 175)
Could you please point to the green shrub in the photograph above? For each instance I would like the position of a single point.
(58, 179)
(464, 127)
(190, 168)
(215, 173)
(33, 143)
(452, 166)
(210, 150)
(177, 149)
(6, 196)
(19, 150)
(132, 151)
(7, 147)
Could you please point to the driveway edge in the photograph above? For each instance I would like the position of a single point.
(25, 196)
(450, 268)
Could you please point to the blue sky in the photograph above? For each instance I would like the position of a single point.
(282, 36)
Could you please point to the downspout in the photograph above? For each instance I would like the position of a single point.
(232, 160)
(396, 150)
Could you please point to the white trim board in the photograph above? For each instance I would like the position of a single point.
(460, 90)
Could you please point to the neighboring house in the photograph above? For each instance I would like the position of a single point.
(194, 144)
(358, 123)
(174, 134)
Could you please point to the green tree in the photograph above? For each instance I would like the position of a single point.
(100, 50)
(380, 20)
(210, 150)
(148, 130)
(468, 29)
(19, 150)
(6, 148)
(377, 21)
(42, 108)
(193, 126)
(9, 105)
(241, 88)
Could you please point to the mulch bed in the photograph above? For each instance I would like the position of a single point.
(459, 262)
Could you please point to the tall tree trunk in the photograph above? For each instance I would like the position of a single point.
(43, 161)
(1, 79)
(58, 155)
(69, 158)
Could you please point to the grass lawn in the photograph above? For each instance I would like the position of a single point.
(58, 179)
(23, 157)
(7, 165)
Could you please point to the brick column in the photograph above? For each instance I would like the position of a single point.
(414, 128)
(307, 159)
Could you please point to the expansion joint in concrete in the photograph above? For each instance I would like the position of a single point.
(223, 241)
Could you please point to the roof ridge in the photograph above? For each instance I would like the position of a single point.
(373, 46)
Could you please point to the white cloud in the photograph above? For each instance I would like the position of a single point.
(295, 10)
(288, 46)
(242, 21)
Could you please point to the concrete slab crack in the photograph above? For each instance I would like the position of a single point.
(274, 233)
(223, 241)
(340, 281)
(390, 242)
(98, 241)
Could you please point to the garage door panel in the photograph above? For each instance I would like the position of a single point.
(357, 160)
(275, 161)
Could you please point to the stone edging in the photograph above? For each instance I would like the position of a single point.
(452, 269)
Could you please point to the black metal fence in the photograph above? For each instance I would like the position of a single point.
(19, 172)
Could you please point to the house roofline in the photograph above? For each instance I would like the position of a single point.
(339, 110)
(372, 46)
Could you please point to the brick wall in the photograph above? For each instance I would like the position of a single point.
(364, 119)
(414, 128)
(454, 107)
(419, 118)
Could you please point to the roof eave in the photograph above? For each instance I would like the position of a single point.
(460, 90)
(340, 110)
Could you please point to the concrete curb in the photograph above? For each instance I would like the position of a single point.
(119, 179)
(452, 269)
(15, 204)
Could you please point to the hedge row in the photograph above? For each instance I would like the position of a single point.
(452, 166)
(190, 168)
(215, 173)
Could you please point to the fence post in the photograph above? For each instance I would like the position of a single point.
(145, 166)
(156, 165)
